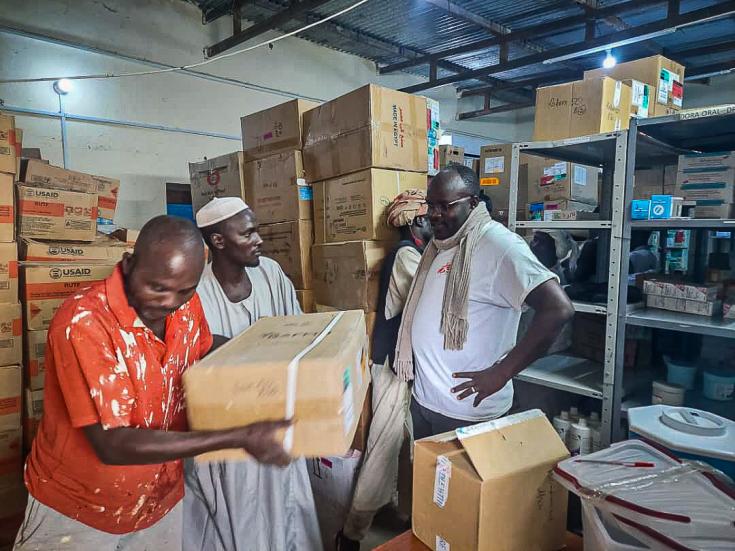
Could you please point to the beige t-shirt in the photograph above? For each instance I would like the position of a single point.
(401, 277)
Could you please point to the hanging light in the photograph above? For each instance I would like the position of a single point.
(609, 62)
(63, 86)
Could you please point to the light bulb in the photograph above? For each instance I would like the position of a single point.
(609, 62)
(63, 86)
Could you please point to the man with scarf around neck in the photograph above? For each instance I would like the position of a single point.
(457, 339)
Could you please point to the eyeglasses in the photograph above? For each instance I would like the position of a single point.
(443, 208)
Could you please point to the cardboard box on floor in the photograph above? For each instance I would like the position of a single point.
(7, 208)
(277, 190)
(289, 244)
(450, 154)
(306, 300)
(222, 176)
(34, 343)
(47, 285)
(8, 272)
(54, 214)
(103, 249)
(11, 333)
(550, 180)
(35, 173)
(11, 388)
(581, 108)
(495, 176)
(346, 275)
(489, 486)
(274, 130)
(353, 207)
(369, 127)
(247, 380)
(664, 75)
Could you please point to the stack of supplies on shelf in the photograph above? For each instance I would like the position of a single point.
(680, 296)
(708, 179)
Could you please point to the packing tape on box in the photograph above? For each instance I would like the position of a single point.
(292, 378)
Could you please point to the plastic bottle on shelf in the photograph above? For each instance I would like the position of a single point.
(574, 414)
(562, 424)
(596, 439)
(594, 419)
(580, 438)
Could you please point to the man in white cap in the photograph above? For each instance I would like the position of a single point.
(242, 506)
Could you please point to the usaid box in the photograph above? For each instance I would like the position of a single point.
(55, 214)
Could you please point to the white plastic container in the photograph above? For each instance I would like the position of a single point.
(594, 419)
(680, 373)
(602, 535)
(719, 385)
(580, 438)
(562, 424)
(687, 433)
(573, 414)
(667, 394)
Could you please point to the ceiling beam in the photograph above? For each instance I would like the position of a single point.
(707, 71)
(542, 79)
(296, 8)
(543, 29)
(493, 110)
(703, 50)
(633, 35)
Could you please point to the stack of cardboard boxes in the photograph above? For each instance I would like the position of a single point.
(222, 176)
(277, 190)
(708, 179)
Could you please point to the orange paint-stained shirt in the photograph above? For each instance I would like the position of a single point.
(104, 366)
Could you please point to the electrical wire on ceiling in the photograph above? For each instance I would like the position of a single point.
(193, 65)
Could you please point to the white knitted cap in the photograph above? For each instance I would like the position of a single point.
(218, 209)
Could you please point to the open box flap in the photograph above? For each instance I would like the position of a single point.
(512, 444)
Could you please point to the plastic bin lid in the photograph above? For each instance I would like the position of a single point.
(684, 429)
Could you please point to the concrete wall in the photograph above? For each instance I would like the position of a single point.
(168, 31)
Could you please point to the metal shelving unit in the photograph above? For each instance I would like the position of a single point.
(561, 372)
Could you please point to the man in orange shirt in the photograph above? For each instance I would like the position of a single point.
(105, 470)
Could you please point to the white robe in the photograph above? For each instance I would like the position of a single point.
(246, 506)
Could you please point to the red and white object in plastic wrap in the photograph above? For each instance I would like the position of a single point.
(671, 505)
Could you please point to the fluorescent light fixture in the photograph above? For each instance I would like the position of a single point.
(606, 47)
(609, 62)
(63, 86)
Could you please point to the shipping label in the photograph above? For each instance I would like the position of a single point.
(494, 165)
(441, 480)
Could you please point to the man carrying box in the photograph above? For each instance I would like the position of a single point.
(244, 505)
(461, 316)
(104, 471)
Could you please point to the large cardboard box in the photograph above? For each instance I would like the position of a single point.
(107, 191)
(648, 182)
(353, 207)
(707, 184)
(306, 300)
(714, 209)
(8, 150)
(7, 208)
(103, 249)
(549, 180)
(277, 189)
(489, 486)
(8, 272)
(641, 98)
(289, 244)
(31, 416)
(666, 77)
(11, 389)
(699, 161)
(347, 275)
(11, 333)
(273, 130)
(54, 214)
(222, 176)
(581, 108)
(36, 173)
(494, 176)
(35, 358)
(253, 378)
(47, 285)
(450, 155)
(369, 127)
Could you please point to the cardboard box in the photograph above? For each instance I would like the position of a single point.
(369, 127)
(7, 208)
(222, 176)
(306, 300)
(36, 173)
(353, 207)
(273, 130)
(664, 75)
(665, 287)
(346, 275)
(8, 272)
(695, 307)
(450, 154)
(277, 190)
(710, 184)
(723, 211)
(107, 192)
(47, 285)
(359, 442)
(648, 182)
(581, 108)
(494, 174)
(35, 358)
(550, 180)
(103, 249)
(8, 151)
(465, 482)
(11, 388)
(247, 380)
(129, 237)
(11, 334)
(641, 98)
(699, 161)
(33, 403)
(289, 244)
(54, 214)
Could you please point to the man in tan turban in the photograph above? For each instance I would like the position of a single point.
(376, 482)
